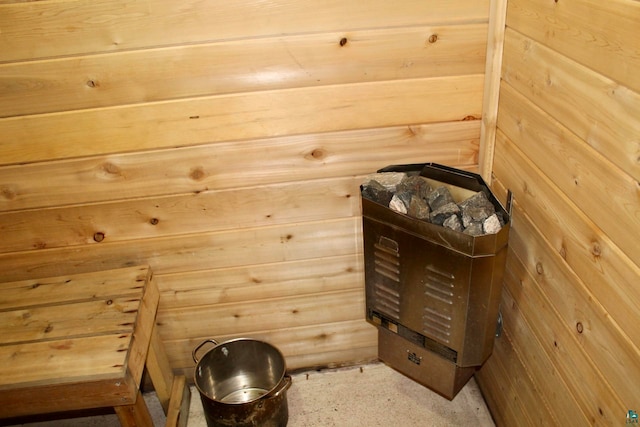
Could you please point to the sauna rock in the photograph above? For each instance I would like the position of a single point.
(413, 195)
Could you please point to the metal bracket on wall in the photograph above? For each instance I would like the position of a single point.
(509, 206)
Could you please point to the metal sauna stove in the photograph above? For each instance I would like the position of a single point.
(433, 292)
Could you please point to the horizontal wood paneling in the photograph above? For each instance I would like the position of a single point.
(580, 313)
(597, 400)
(231, 165)
(304, 347)
(601, 35)
(591, 181)
(183, 214)
(275, 313)
(182, 71)
(74, 27)
(264, 281)
(294, 241)
(579, 242)
(223, 143)
(567, 148)
(554, 399)
(240, 116)
(516, 388)
(604, 114)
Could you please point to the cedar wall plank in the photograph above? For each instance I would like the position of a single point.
(304, 346)
(239, 116)
(189, 252)
(264, 281)
(560, 403)
(73, 83)
(183, 214)
(594, 395)
(610, 276)
(579, 312)
(597, 109)
(601, 35)
(518, 395)
(45, 29)
(591, 181)
(230, 165)
(269, 314)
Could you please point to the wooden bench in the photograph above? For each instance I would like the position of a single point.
(83, 341)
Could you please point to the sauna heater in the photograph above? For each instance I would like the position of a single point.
(432, 292)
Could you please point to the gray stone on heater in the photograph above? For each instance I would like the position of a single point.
(415, 184)
(492, 224)
(474, 229)
(438, 216)
(476, 214)
(453, 222)
(439, 197)
(477, 200)
(376, 192)
(389, 180)
(476, 208)
(397, 204)
(418, 208)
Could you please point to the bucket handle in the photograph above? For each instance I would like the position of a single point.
(280, 388)
(199, 346)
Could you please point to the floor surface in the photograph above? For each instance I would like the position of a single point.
(371, 395)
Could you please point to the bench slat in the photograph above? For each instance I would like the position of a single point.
(46, 323)
(72, 288)
(63, 361)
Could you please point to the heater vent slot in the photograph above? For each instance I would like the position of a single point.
(387, 259)
(437, 324)
(439, 285)
(439, 293)
(387, 264)
(387, 300)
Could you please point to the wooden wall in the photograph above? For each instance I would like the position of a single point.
(223, 143)
(568, 146)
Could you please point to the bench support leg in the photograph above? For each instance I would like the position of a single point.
(136, 415)
(159, 370)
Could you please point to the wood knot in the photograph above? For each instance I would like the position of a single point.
(92, 83)
(98, 236)
(343, 41)
(596, 251)
(579, 327)
(539, 268)
(111, 169)
(433, 38)
(154, 221)
(316, 154)
(563, 252)
(7, 193)
(197, 174)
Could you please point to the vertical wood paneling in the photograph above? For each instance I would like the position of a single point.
(495, 47)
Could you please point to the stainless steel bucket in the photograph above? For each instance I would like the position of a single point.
(242, 383)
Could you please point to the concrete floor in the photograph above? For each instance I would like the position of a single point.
(371, 395)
